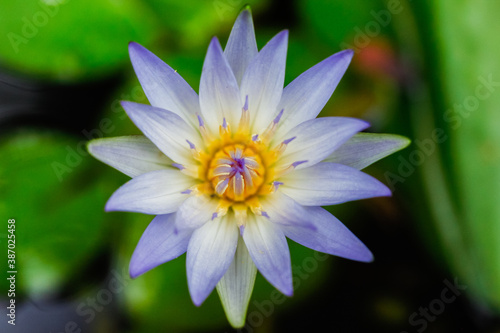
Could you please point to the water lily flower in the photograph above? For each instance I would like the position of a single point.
(234, 171)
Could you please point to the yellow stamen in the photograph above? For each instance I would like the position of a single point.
(236, 172)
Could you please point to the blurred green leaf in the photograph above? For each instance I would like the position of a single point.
(467, 34)
(336, 21)
(194, 22)
(52, 193)
(461, 173)
(71, 39)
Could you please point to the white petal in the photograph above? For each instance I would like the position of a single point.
(241, 46)
(329, 236)
(236, 286)
(269, 251)
(132, 155)
(163, 86)
(315, 139)
(326, 184)
(305, 97)
(210, 253)
(158, 244)
(263, 81)
(166, 129)
(219, 92)
(196, 211)
(155, 192)
(283, 210)
(364, 149)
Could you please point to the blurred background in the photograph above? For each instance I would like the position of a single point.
(425, 69)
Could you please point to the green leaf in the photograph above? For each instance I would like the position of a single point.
(193, 23)
(72, 39)
(335, 22)
(51, 192)
(471, 82)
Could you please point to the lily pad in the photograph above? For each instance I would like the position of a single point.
(49, 189)
(72, 39)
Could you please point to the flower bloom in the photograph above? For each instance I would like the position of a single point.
(234, 171)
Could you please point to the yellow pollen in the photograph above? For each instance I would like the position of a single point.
(236, 172)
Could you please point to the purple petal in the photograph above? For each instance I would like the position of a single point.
(155, 192)
(305, 97)
(132, 155)
(283, 210)
(166, 129)
(364, 149)
(241, 46)
(163, 86)
(318, 138)
(219, 92)
(269, 251)
(210, 252)
(330, 184)
(330, 236)
(159, 243)
(263, 81)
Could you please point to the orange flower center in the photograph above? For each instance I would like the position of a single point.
(236, 172)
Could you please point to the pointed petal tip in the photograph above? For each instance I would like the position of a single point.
(198, 298)
(404, 141)
(109, 206)
(364, 124)
(125, 104)
(280, 38)
(134, 48)
(356, 123)
(288, 292)
(91, 146)
(237, 323)
(135, 270)
(380, 190)
(245, 13)
(337, 61)
(214, 41)
(246, 8)
(348, 52)
(359, 124)
(283, 34)
(343, 56)
(113, 205)
(214, 51)
(132, 107)
(363, 254)
(133, 273)
(367, 257)
(386, 192)
(196, 302)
